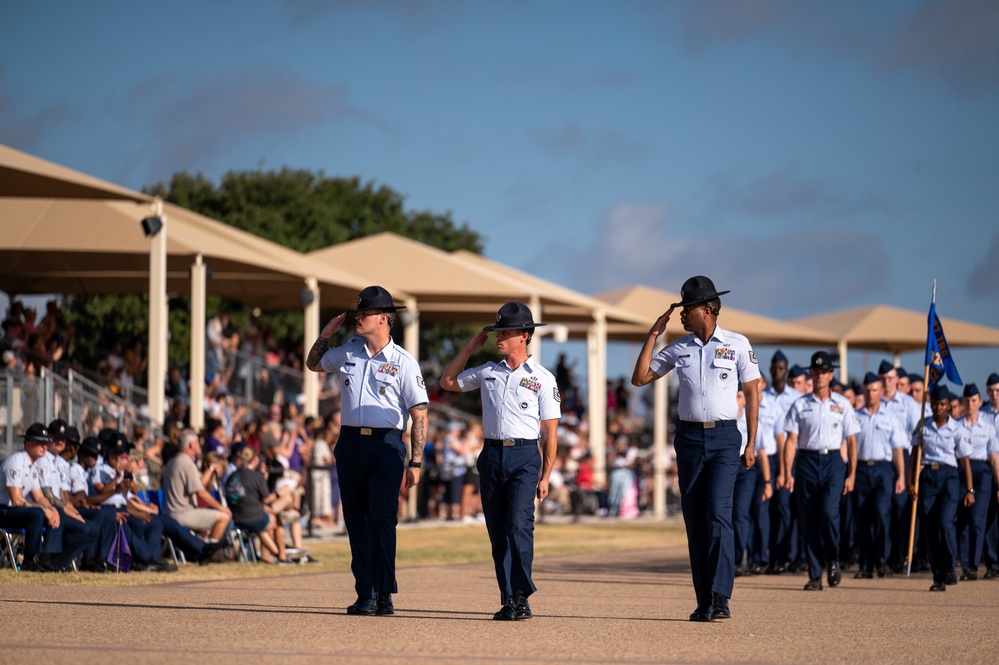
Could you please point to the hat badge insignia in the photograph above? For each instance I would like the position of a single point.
(498, 317)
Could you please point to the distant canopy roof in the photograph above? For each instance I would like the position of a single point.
(458, 286)
(92, 246)
(22, 175)
(886, 328)
(649, 304)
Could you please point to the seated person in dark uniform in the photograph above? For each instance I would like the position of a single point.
(22, 503)
(248, 496)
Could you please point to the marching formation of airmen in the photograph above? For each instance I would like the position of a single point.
(841, 478)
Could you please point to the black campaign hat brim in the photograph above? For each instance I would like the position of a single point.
(522, 326)
(355, 310)
(698, 301)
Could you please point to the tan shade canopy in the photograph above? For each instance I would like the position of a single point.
(649, 304)
(559, 304)
(886, 328)
(92, 246)
(22, 174)
(446, 288)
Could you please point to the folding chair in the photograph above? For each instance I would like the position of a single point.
(13, 540)
(156, 497)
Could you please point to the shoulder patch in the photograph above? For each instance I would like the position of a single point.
(419, 381)
(556, 394)
(752, 357)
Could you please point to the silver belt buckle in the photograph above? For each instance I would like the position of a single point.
(509, 443)
(824, 451)
(709, 425)
(365, 431)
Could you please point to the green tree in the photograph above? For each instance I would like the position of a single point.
(300, 209)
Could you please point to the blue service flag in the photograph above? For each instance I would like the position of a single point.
(120, 555)
(938, 357)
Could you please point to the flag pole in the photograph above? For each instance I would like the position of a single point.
(916, 457)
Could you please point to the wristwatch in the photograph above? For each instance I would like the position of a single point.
(415, 465)
(970, 490)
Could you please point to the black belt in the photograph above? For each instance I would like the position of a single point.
(873, 462)
(822, 451)
(367, 431)
(937, 467)
(510, 443)
(711, 424)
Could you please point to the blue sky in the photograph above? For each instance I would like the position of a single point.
(810, 156)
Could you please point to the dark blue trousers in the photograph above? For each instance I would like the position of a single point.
(32, 520)
(190, 544)
(901, 522)
(707, 462)
(77, 537)
(971, 522)
(783, 522)
(370, 470)
(872, 495)
(750, 518)
(818, 482)
(145, 539)
(990, 553)
(508, 484)
(107, 528)
(938, 497)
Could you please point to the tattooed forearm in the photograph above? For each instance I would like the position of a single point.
(419, 434)
(316, 354)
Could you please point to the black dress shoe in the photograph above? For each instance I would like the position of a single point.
(991, 574)
(938, 586)
(951, 578)
(863, 575)
(969, 574)
(521, 608)
(884, 571)
(383, 605)
(720, 607)
(506, 613)
(740, 571)
(774, 569)
(814, 585)
(703, 613)
(362, 606)
(833, 574)
(756, 570)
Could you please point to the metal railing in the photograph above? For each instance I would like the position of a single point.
(74, 398)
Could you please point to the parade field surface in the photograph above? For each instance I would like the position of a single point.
(607, 593)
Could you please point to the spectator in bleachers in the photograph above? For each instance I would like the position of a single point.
(183, 487)
(320, 475)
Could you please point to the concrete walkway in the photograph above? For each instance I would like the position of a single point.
(621, 607)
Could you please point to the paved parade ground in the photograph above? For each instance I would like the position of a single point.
(618, 607)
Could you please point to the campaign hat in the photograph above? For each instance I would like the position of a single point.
(696, 290)
(514, 316)
(113, 442)
(374, 297)
(72, 436)
(37, 432)
(57, 429)
(822, 361)
(91, 446)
